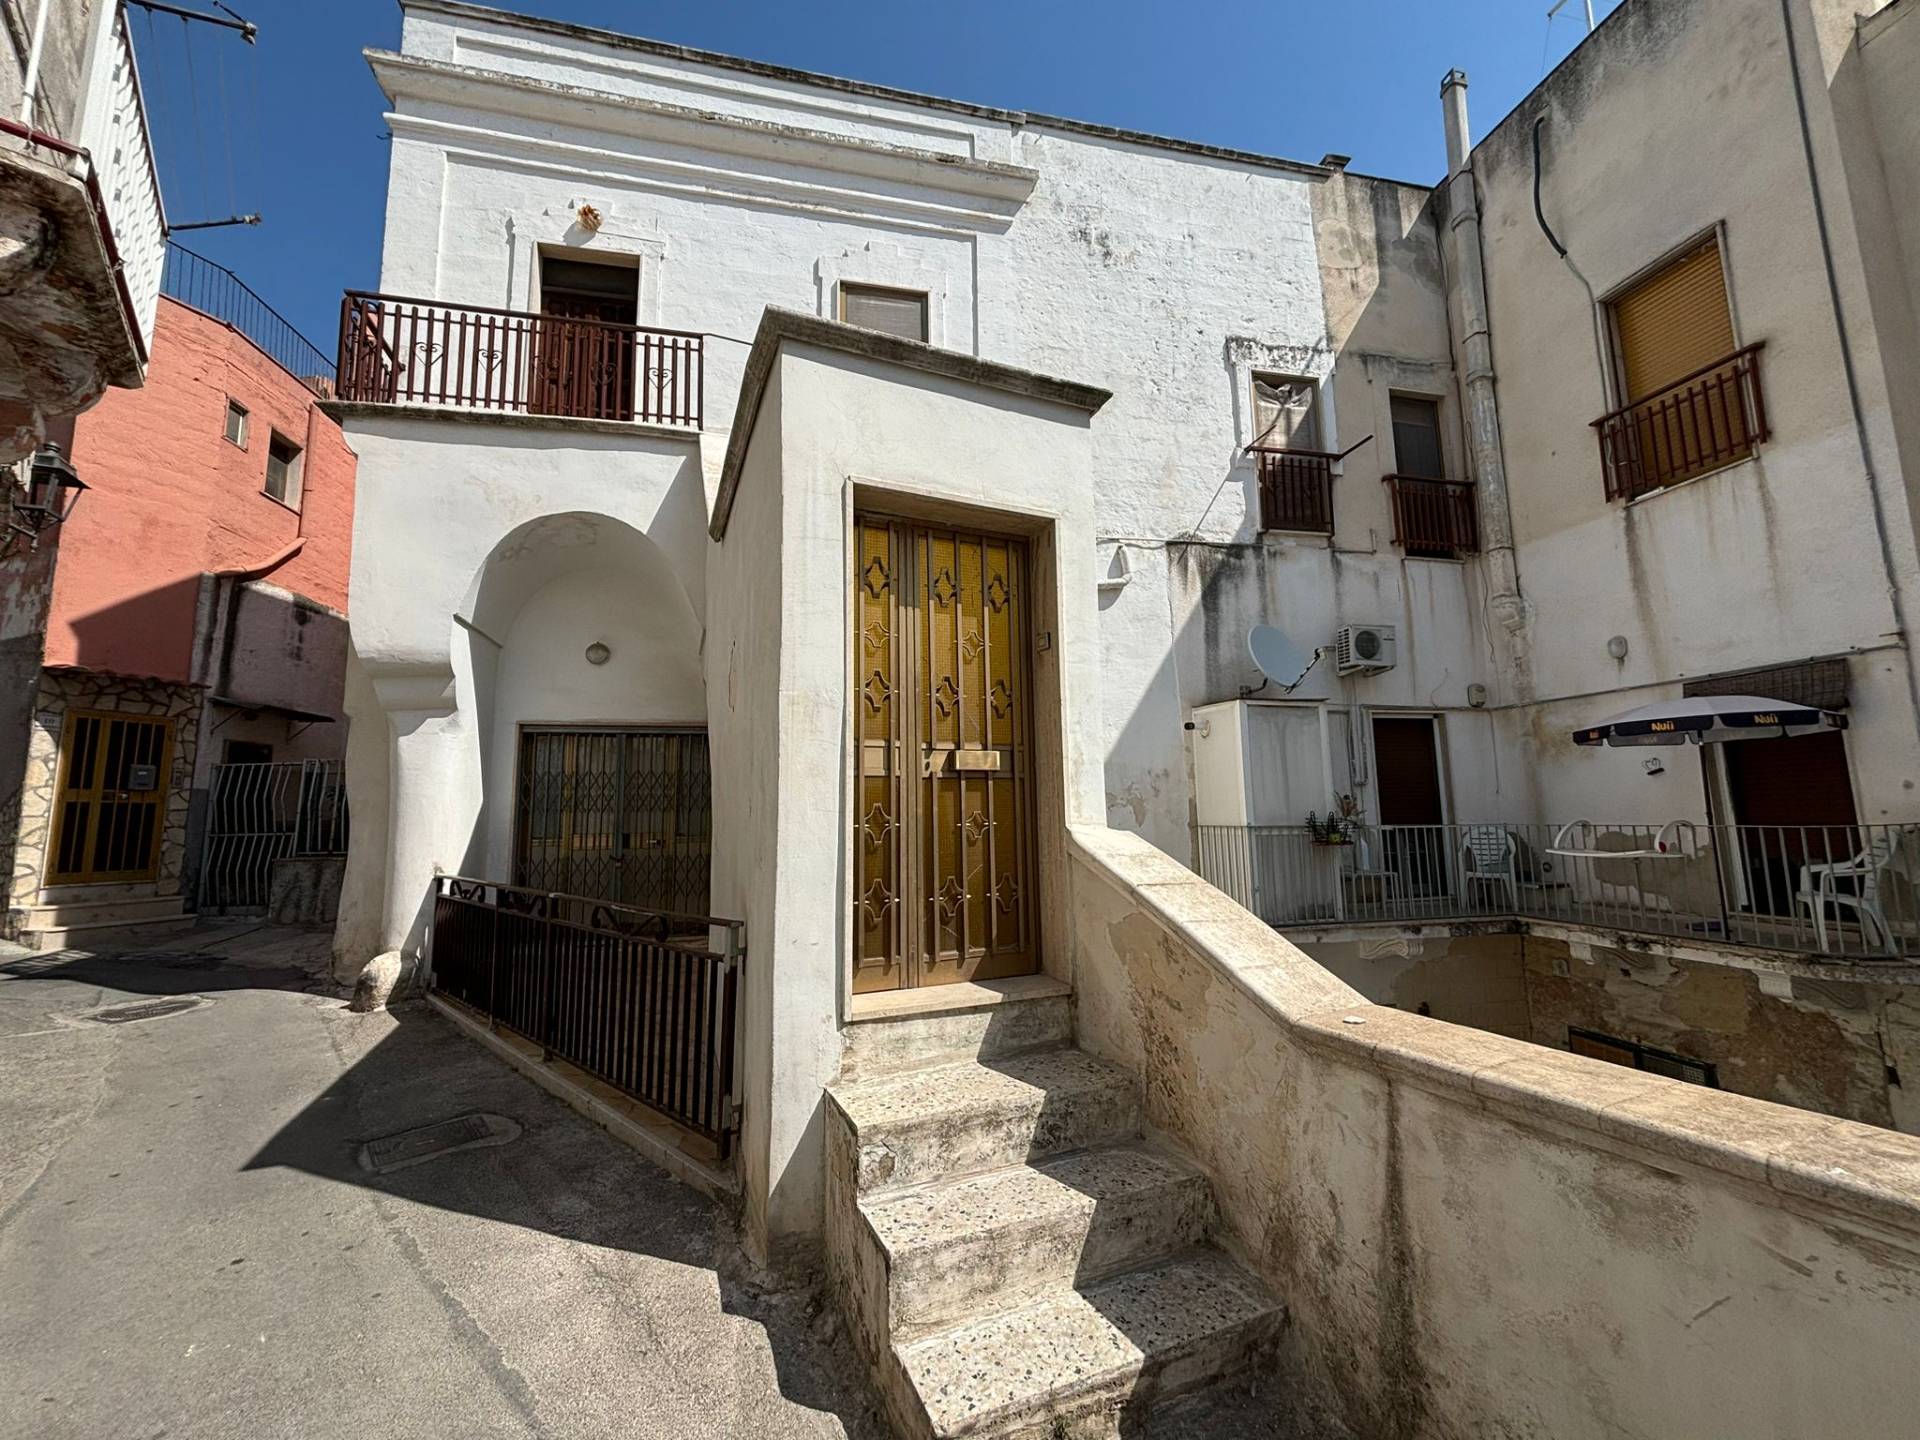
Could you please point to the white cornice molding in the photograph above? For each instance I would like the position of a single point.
(574, 163)
(406, 77)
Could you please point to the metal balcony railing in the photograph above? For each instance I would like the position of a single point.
(395, 350)
(1434, 518)
(1296, 489)
(640, 999)
(1700, 423)
(1837, 892)
(214, 290)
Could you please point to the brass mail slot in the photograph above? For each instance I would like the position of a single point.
(976, 759)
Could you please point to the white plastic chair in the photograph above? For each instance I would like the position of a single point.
(1492, 858)
(1818, 890)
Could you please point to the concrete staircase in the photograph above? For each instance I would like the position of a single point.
(1015, 1259)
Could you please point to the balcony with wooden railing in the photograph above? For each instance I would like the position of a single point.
(1700, 423)
(400, 351)
(1296, 489)
(1436, 519)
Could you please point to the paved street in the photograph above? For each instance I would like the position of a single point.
(190, 1247)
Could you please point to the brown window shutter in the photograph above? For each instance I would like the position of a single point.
(1674, 323)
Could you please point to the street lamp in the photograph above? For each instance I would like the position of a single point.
(46, 497)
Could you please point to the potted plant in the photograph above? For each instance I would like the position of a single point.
(1333, 830)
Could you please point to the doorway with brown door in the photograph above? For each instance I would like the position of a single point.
(1790, 802)
(944, 850)
(586, 363)
(1412, 804)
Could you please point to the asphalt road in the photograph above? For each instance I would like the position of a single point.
(189, 1246)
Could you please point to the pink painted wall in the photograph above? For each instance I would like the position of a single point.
(170, 497)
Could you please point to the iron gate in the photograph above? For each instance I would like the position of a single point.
(260, 813)
(619, 815)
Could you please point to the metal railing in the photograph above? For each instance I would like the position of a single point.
(1434, 518)
(644, 1000)
(216, 291)
(1849, 892)
(260, 813)
(395, 350)
(1296, 489)
(1699, 423)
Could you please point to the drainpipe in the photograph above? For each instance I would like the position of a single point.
(1484, 449)
(35, 48)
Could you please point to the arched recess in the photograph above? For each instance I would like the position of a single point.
(548, 592)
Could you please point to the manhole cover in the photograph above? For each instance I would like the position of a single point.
(429, 1142)
(143, 1010)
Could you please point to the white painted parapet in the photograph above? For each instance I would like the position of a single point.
(1477, 1236)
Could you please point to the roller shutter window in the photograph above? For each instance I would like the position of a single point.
(897, 312)
(1674, 323)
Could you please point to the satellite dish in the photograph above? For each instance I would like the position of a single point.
(1279, 659)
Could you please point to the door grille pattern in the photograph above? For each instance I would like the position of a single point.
(113, 783)
(620, 815)
(944, 820)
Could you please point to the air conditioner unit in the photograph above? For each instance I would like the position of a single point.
(1363, 649)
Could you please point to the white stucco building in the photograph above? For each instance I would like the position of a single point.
(841, 511)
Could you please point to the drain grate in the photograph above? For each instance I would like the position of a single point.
(144, 1010)
(430, 1142)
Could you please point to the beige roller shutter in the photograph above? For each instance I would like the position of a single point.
(1674, 323)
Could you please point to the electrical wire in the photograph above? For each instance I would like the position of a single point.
(193, 100)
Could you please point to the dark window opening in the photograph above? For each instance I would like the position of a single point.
(1635, 1056)
(283, 471)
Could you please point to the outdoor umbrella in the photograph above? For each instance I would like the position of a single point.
(1708, 719)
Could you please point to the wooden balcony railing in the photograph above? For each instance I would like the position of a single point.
(1434, 518)
(394, 350)
(1701, 422)
(1296, 489)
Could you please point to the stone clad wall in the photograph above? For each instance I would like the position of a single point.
(64, 690)
(1476, 1236)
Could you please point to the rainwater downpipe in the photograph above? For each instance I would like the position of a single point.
(1846, 362)
(35, 48)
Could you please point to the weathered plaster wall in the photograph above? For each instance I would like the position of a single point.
(167, 487)
(72, 28)
(1475, 1236)
(1768, 561)
(1162, 274)
(1831, 1045)
(1479, 981)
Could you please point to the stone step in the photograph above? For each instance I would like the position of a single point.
(97, 914)
(954, 1120)
(988, 1242)
(1085, 1363)
(898, 1030)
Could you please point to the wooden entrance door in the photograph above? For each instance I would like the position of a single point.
(620, 815)
(111, 799)
(587, 362)
(945, 885)
(1406, 758)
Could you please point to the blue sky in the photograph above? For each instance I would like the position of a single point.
(291, 127)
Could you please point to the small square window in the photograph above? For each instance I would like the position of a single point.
(873, 307)
(283, 471)
(237, 423)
